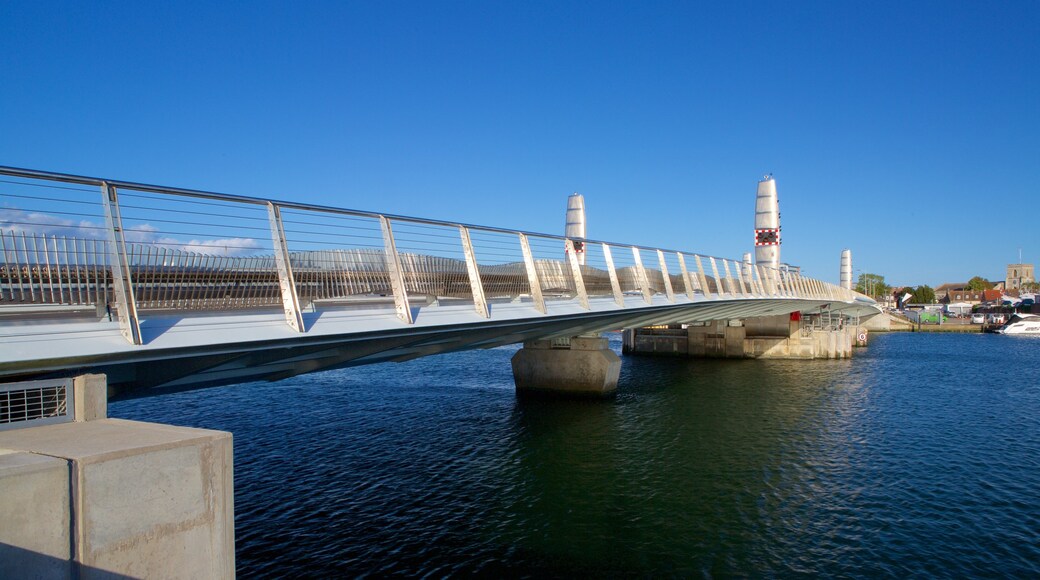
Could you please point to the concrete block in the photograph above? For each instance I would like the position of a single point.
(861, 336)
(714, 346)
(779, 325)
(34, 516)
(583, 371)
(695, 341)
(734, 341)
(589, 343)
(801, 348)
(674, 344)
(766, 347)
(90, 393)
(151, 501)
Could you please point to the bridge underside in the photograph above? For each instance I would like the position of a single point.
(185, 352)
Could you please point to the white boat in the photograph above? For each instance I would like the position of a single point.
(1021, 323)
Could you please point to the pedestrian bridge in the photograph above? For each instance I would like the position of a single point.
(164, 288)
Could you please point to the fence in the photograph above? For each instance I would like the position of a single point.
(69, 242)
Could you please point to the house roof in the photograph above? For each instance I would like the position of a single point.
(990, 295)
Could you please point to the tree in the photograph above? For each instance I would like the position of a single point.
(923, 294)
(1031, 286)
(872, 285)
(978, 284)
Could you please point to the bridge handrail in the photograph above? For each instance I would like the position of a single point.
(203, 194)
(136, 266)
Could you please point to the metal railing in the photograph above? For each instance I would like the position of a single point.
(137, 248)
(35, 403)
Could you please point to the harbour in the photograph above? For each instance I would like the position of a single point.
(474, 290)
(912, 458)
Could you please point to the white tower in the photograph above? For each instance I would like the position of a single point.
(767, 224)
(846, 269)
(575, 227)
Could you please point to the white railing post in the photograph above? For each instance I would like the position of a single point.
(283, 263)
(740, 278)
(718, 281)
(701, 276)
(615, 285)
(644, 282)
(579, 282)
(785, 289)
(396, 271)
(762, 280)
(664, 276)
(532, 275)
(687, 283)
(749, 275)
(129, 325)
(476, 287)
(731, 283)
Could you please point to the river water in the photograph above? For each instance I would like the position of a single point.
(918, 457)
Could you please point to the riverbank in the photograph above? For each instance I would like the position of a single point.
(947, 327)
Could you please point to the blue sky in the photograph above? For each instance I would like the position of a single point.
(906, 131)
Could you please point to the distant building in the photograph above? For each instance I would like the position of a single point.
(943, 290)
(953, 293)
(991, 296)
(1017, 275)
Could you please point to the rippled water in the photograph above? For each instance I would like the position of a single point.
(919, 457)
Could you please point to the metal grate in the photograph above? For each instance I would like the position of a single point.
(33, 403)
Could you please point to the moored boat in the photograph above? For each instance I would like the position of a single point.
(1021, 323)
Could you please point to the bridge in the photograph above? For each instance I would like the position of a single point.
(163, 288)
(112, 288)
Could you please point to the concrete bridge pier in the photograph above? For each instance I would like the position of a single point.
(775, 337)
(579, 366)
(94, 497)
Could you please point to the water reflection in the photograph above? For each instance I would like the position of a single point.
(893, 463)
(672, 476)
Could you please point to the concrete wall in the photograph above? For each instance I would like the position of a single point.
(766, 337)
(661, 341)
(109, 498)
(780, 325)
(35, 516)
(885, 322)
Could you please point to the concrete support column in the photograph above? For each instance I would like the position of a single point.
(783, 336)
(584, 367)
(861, 336)
(716, 339)
(106, 498)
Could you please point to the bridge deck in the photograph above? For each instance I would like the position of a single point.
(173, 288)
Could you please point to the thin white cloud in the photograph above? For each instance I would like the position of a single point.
(13, 220)
(16, 223)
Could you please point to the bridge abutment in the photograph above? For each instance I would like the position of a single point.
(768, 337)
(580, 366)
(100, 497)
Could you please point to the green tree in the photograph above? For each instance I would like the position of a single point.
(923, 294)
(873, 285)
(978, 284)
